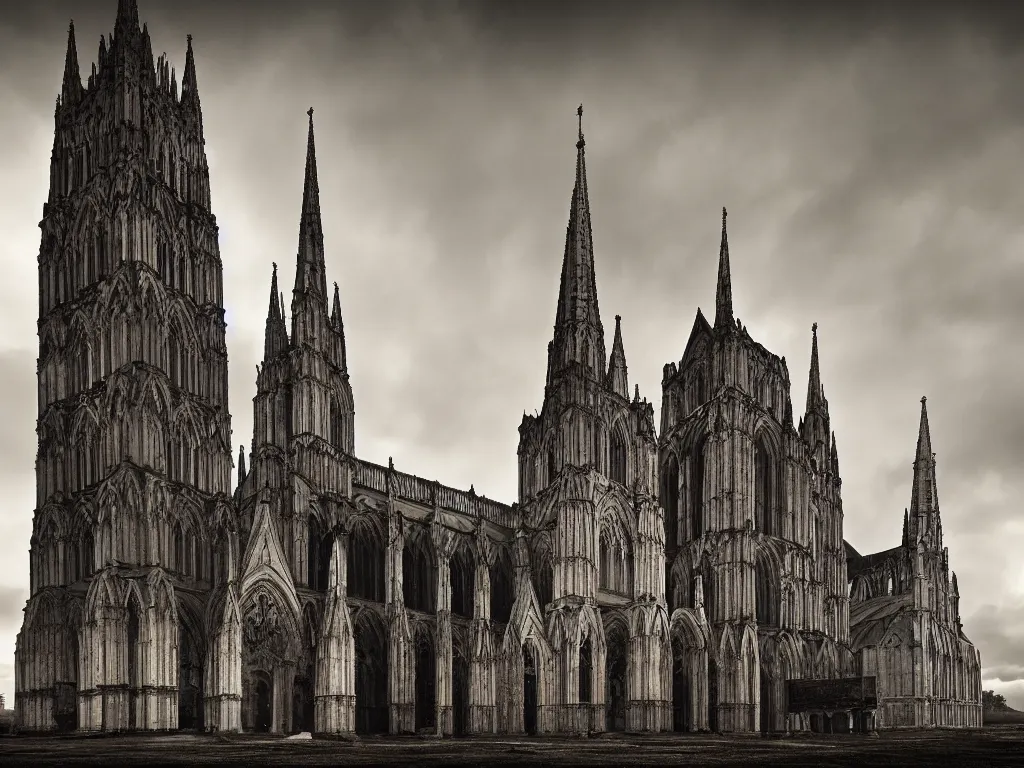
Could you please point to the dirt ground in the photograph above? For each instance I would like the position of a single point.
(991, 746)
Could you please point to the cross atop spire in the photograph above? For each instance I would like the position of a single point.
(723, 297)
(579, 114)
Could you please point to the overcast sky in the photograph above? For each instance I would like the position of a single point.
(871, 166)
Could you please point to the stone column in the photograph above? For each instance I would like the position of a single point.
(401, 653)
(483, 716)
(444, 543)
(334, 698)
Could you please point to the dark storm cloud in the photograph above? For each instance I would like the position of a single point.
(869, 155)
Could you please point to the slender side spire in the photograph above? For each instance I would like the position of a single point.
(577, 293)
(617, 379)
(241, 464)
(924, 502)
(190, 89)
(276, 336)
(723, 297)
(71, 90)
(906, 527)
(815, 394)
(338, 324)
(310, 268)
(336, 309)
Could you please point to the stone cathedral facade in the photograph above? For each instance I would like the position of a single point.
(648, 579)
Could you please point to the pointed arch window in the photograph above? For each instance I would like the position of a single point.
(670, 501)
(764, 488)
(336, 425)
(312, 551)
(502, 588)
(365, 564)
(179, 548)
(586, 672)
(766, 602)
(618, 457)
(461, 578)
(697, 492)
(543, 576)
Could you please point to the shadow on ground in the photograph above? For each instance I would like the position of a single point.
(990, 746)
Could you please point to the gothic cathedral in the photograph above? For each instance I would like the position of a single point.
(670, 579)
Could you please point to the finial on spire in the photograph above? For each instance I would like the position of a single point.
(310, 113)
(188, 39)
(579, 114)
(924, 400)
(814, 328)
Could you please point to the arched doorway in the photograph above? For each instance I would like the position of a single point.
(712, 695)
(302, 701)
(426, 681)
(529, 691)
(270, 650)
(767, 702)
(264, 705)
(132, 651)
(371, 651)
(682, 715)
(617, 641)
(460, 691)
(190, 676)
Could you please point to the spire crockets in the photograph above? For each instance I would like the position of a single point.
(310, 269)
(617, 380)
(924, 501)
(579, 335)
(71, 90)
(723, 296)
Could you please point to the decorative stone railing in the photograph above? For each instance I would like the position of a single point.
(429, 492)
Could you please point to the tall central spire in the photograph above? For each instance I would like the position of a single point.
(577, 294)
(723, 296)
(310, 269)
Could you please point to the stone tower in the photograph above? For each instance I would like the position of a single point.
(753, 523)
(292, 543)
(590, 608)
(134, 455)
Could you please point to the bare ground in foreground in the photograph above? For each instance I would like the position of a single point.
(990, 746)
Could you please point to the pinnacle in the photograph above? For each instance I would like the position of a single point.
(310, 268)
(815, 393)
(723, 296)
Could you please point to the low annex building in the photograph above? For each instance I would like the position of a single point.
(647, 579)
